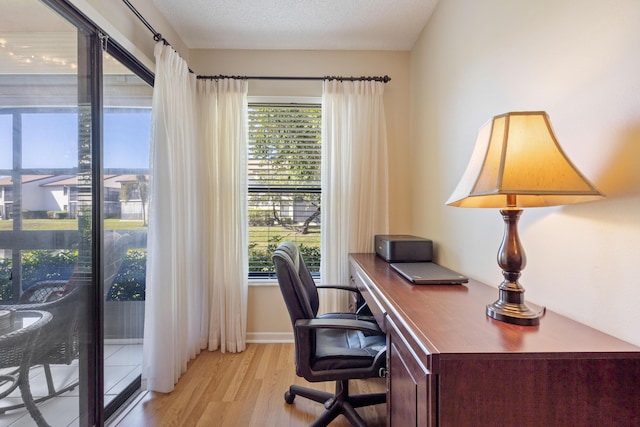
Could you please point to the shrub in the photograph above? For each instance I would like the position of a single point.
(260, 218)
(40, 265)
(260, 259)
(57, 214)
(130, 282)
(35, 215)
(261, 262)
(6, 290)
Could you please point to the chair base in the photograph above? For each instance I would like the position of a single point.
(336, 404)
(52, 392)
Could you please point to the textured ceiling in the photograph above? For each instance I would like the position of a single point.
(298, 24)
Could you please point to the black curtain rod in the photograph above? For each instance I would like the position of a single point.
(156, 35)
(384, 79)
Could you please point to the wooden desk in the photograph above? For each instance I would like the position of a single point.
(451, 365)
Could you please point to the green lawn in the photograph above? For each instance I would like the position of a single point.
(263, 234)
(69, 224)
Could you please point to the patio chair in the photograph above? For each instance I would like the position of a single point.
(17, 343)
(58, 341)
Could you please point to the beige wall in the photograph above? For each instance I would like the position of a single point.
(579, 61)
(267, 316)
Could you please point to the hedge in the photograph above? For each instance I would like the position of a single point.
(40, 265)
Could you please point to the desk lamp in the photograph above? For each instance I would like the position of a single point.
(517, 163)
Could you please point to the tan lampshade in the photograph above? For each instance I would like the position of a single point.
(517, 154)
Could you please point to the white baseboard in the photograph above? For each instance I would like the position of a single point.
(269, 337)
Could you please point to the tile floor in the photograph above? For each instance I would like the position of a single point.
(122, 366)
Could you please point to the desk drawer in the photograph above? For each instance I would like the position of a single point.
(411, 387)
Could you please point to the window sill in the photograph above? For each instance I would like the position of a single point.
(263, 282)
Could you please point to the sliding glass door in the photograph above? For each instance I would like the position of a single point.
(74, 138)
(48, 230)
(127, 126)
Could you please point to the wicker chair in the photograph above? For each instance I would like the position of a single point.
(58, 341)
(16, 351)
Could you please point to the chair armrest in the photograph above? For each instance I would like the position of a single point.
(363, 308)
(41, 291)
(353, 324)
(340, 287)
(41, 301)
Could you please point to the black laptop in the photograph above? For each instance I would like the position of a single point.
(428, 273)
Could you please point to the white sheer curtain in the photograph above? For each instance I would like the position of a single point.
(354, 177)
(189, 305)
(223, 114)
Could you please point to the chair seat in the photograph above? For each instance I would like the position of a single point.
(345, 349)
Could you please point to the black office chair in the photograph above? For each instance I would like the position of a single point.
(330, 347)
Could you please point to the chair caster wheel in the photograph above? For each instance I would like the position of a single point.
(288, 397)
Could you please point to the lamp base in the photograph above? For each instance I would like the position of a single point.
(517, 314)
(510, 306)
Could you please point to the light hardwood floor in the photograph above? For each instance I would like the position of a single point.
(242, 389)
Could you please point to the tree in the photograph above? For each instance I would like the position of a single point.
(143, 192)
(137, 190)
(285, 157)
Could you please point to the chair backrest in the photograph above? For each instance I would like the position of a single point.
(296, 284)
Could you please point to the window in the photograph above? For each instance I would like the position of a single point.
(284, 182)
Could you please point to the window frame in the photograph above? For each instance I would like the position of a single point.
(262, 277)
